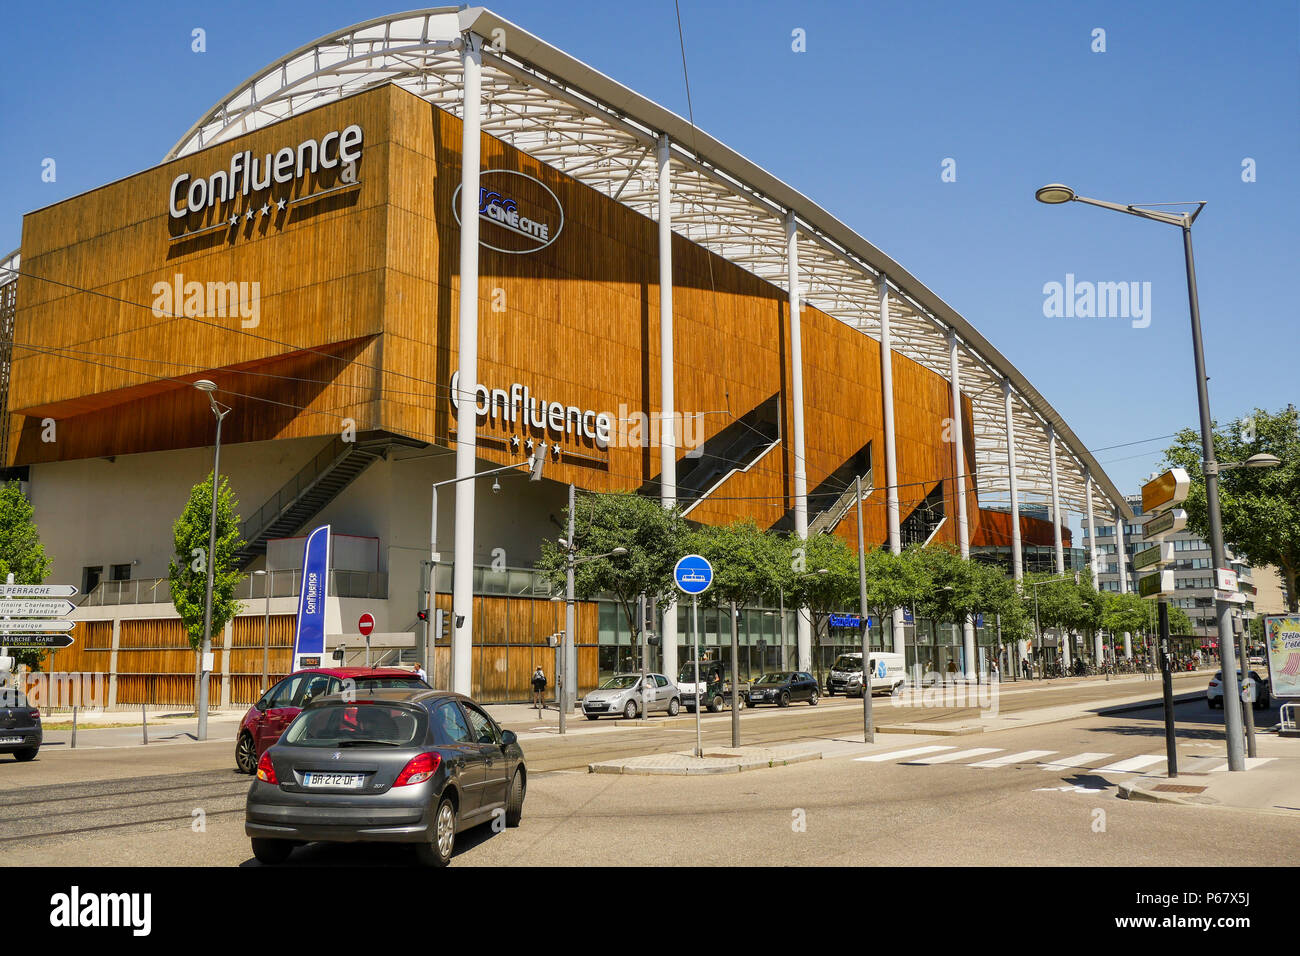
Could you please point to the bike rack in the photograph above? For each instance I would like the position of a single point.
(1286, 716)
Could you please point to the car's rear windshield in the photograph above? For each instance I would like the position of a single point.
(353, 725)
(12, 697)
(381, 683)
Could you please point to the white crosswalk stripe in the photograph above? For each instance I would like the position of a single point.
(1251, 764)
(1077, 762)
(959, 755)
(1132, 764)
(1027, 756)
(899, 754)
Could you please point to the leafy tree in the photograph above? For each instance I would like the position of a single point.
(1179, 622)
(820, 574)
(655, 538)
(21, 554)
(953, 585)
(1059, 603)
(999, 602)
(1124, 613)
(187, 569)
(1260, 506)
(894, 581)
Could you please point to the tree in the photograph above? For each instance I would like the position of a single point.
(1123, 613)
(1260, 506)
(187, 570)
(654, 537)
(21, 554)
(820, 574)
(1179, 622)
(894, 581)
(1059, 603)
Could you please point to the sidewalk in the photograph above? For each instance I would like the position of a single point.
(715, 760)
(1273, 783)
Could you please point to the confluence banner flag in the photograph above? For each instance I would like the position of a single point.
(309, 634)
(1282, 635)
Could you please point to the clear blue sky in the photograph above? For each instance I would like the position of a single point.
(861, 123)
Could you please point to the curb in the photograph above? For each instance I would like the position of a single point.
(931, 731)
(651, 770)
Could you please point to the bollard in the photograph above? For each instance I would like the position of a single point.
(144, 724)
(74, 727)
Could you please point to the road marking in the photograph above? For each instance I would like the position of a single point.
(1024, 757)
(894, 755)
(1132, 764)
(1074, 763)
(1251, 764)
(959, 755)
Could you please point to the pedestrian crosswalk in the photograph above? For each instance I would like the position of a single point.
(1089, 761)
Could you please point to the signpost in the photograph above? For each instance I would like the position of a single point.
(37, 590)
(366, 624)
(1161, 496)
(44, 642)
(693, 575)
(35, 627)
(28, 622)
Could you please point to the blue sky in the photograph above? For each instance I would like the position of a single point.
(861, 122)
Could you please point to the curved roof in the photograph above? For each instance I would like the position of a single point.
(570, 116)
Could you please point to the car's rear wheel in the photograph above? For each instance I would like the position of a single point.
(674, 707)
(27, 753)
(271, 852)
(246, 754)
(813, 699)
(630, 710)
(515, 801)
(442, 839)
(785, 699)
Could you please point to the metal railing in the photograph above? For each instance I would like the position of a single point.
(832, 516)
(295, 488)
(344, 584)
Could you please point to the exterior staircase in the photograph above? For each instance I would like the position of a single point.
(826, 521)
(318, 483)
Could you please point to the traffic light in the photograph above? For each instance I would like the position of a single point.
(442, 625)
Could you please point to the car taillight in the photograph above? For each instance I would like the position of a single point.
(36, 715)
(265, 771)
(418, 769)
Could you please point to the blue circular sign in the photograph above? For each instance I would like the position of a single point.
(693, 574)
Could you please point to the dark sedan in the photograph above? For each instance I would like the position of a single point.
(20, 725)
(783, 687)
(397, 766)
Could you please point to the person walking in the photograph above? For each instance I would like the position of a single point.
(539, 687)
(1024, 667)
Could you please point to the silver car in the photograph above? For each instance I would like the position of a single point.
(627, 695)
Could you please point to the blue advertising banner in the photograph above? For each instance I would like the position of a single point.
(309, 634)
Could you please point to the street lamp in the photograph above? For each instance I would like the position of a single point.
(1261, 460)
(220, 411)
(266, 632)
(1055, 193)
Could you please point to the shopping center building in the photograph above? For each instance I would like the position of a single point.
(351, 237)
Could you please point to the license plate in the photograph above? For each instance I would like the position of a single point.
(352, 780)
(11, 740)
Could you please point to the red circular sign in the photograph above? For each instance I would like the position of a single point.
(366, 624)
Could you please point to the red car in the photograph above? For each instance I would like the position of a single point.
(267, 719)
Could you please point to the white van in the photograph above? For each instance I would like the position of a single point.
(887, 672)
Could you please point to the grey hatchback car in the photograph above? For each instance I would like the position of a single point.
(407, 766)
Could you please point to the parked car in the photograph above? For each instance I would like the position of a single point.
(20, 725)
(1214, 693)
(888, 672)
(714, 687)
(782, 688)
(410, 765)
(267, 719)
(625, 695)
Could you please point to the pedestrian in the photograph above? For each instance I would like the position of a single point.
(419, 670)
(1024, 667)
(539, 687)
(993, 671)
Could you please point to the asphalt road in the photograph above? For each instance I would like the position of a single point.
(839, 810)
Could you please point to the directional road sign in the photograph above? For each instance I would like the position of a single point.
(37, 590)
(34, 627)
(1154, 585)
(25, 608)
(1161, 553)
(1165, 491)
(46, 641)
(1171, 522)
(693, 574)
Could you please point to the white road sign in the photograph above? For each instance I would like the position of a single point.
(25, 608)
(38, 590)
(35, 627)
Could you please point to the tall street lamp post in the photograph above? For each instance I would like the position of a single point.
(205, 669)
(1055, 193)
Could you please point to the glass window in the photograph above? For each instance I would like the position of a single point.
(481, 727)
(451, 723)
(284, 693)
(661, 680)
(339, 725)
(316, 685)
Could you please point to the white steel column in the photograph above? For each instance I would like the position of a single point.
(1093, 564)
(667, 418)
(1063, 635)
(1121, 558)
(1013, 487)
(804, 628)
(462, 585)
(891, 450)
(963, 527)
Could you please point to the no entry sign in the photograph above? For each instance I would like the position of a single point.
(366, 624)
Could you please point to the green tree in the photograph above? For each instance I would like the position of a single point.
(21, 554)
(1260, 506)
(745, 559)
(894, 582)
(820, 574)
(655, 538)
(1179, 622)
(187, 569)
(1124, 613)
(1059, 603)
